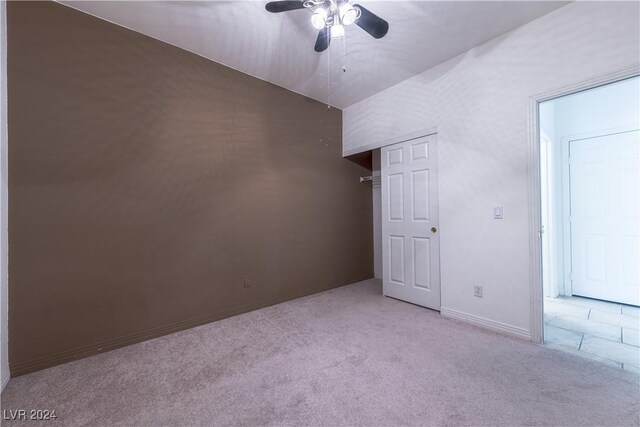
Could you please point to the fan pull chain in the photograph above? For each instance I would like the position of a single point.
(328, 79)
(344, 53)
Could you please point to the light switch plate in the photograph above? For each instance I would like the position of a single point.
(498, 212)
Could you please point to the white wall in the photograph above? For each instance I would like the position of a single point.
(4, 247)
(599, 111)
(479, 103)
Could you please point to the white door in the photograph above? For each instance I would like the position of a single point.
(605, 210)
(410, 234)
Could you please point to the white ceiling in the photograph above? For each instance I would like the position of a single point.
(279, 47)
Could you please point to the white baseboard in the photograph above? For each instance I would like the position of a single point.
(487, 323)
(6, 376)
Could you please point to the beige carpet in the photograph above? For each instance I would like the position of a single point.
(342, 357)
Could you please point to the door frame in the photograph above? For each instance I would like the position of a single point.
(534, 188)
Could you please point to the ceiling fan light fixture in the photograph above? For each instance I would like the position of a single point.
(319, 18)
(330, 17)
(348, 14)
(337, 31)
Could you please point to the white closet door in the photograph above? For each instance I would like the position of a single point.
(605, 211)
(410, 229)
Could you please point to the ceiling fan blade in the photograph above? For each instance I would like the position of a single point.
(283, 6)
(323, 40)
(371, 23)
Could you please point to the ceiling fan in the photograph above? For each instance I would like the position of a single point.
(330, 17)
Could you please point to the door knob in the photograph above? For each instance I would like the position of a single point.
(433, 229)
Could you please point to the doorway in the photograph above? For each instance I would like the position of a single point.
(590, 215)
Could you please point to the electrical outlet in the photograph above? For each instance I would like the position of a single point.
(477, 290)
(245, 283)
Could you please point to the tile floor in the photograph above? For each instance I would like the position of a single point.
(599, 330)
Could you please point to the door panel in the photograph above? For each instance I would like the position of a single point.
(604, 221)
(396, 204)
(420, 150)
(396, 261)
(411, 257)
(420, 195)
(394, 157)
(421, 251)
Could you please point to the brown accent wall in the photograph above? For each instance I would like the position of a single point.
(152, 190)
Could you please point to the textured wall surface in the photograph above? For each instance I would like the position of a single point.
(479, 103)
(4, 260)
(152, 190)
